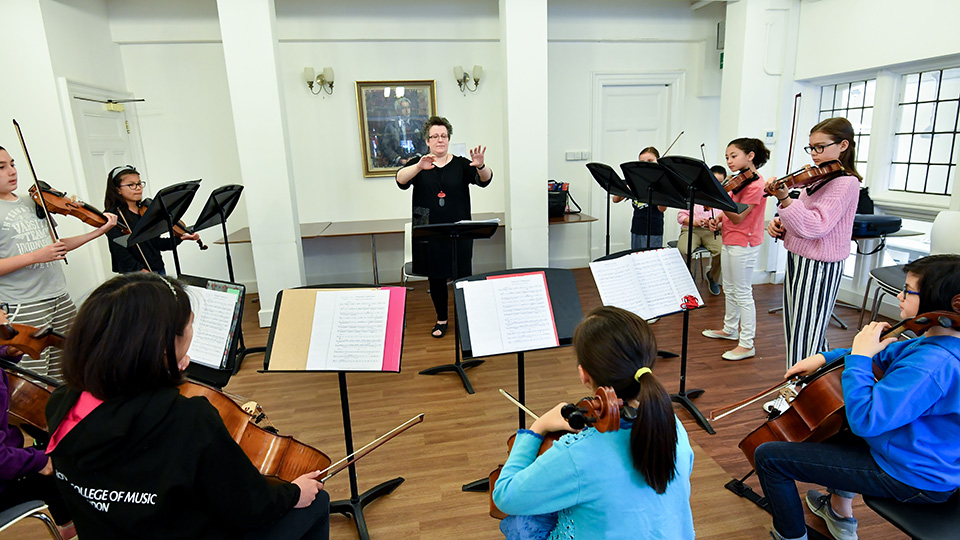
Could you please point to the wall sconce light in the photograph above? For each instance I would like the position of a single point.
(324, 80)
(463, 78)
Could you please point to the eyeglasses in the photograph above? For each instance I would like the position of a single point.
(442, 136)
(817, 148)
(907, 291)
(138, 185)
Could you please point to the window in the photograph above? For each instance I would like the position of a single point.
(925, 140)
(853, 101)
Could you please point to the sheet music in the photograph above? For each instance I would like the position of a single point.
(348, 330)
(648, 283)
(509, 314)
(213, 315)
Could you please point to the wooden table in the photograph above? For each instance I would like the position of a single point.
(373, 227)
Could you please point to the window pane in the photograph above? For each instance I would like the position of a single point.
(946, 116)
(826, 97)
(921, 149)
(929, 82)
(899, 180)
(862, 169)
(952, 177)
(942, 146)
(906, 118)
(925, 117)
(950, 84)
(916, 178)
(901, 148)
(870, 92)
(841, 97)
(867, 123)
(854, 116)
(937, 179)
(856, 94)
(910, 87)
(863, 147)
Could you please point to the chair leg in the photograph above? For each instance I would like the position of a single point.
(876, 303)
(863, 305)
(43, 516)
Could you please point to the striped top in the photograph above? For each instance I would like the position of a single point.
(820, 226)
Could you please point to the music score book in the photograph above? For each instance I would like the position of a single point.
(509, 313)
(357, 329)
(216, 313)
(650, 283)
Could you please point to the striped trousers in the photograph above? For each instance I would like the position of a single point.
(809, 294)
(57, 312)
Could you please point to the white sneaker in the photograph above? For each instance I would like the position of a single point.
(780, 404)
(720, 335)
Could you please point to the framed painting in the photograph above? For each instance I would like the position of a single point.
(391, 115)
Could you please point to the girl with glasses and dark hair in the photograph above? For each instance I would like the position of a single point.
(621, 484)
(742, 237)
(136, 459)
(32, 282)
(816, 229)
(441, 194)
(904, 426)
(123, 195)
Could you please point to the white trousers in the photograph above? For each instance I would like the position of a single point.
(740, 318)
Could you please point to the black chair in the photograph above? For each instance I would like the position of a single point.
(920, 521)
(29, 509)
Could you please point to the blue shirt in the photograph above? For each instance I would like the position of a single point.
(590, 479)
(911, 416)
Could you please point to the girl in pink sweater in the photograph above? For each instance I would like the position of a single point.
(742, 236)
(816, 230)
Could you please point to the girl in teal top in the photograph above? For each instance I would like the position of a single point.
(632, 483)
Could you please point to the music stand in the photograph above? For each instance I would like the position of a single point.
(693, 178)
(611, 182)
(467, 230)
(649, 183)
(567, 314)
(291, 356)
(166, 209)
(221, 204)
(201, 369)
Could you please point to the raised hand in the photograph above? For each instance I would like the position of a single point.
(476, 156)
(426, 162)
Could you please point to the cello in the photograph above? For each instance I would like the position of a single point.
(602, 411)
(817, 412)
(29, 392)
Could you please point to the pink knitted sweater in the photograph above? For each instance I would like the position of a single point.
(819, 226)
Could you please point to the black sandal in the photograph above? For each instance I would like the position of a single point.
(441, 327)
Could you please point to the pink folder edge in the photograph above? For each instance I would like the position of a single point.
(393, 339)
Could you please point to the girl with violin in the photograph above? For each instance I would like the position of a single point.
(702, 235)
(134, 458)
(32, 283)
(742, 237)
(904, 425)
(816, 230)
(645, 216)
(25, 473)
(628, 483)
(124, 194)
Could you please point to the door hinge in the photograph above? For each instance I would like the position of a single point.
(127, 123)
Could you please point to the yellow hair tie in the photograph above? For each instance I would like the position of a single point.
(641, 372)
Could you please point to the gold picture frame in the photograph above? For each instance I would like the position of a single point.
(391, 116)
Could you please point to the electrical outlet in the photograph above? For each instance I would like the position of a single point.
(585, 156)
(572, 156)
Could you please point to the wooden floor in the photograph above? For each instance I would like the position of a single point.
(464, 436)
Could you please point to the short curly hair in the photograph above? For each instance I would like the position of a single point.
(437, 121)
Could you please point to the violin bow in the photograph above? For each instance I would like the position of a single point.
(124, 218)
(673, 143)
(335, 468)
(36, 184)
(730, 409)
(516, 402)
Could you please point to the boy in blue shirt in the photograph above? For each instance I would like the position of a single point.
(905, 424)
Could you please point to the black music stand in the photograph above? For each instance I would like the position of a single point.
(222, 202)
(219, 376)
(693, 179)
(649, 183)
(166, 209)
(468, 230)
(567, 314)
(355, 504)
(611, 182)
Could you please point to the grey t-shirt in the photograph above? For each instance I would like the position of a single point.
(21, 231)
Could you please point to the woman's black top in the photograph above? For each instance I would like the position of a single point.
(128, 259)
(434, 259)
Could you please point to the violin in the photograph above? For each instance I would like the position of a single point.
(29, 392)
(58, 202)
(179, 228)
(808, 175)
(602, 411)
(737, 181)
(817, 412)
(279, 456)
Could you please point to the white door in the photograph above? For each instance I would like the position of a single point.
(107, 136)
(631, 117)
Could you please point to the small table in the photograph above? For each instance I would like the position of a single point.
(870, 254)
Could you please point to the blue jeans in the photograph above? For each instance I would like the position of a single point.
(639, 241)
(844, 463)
